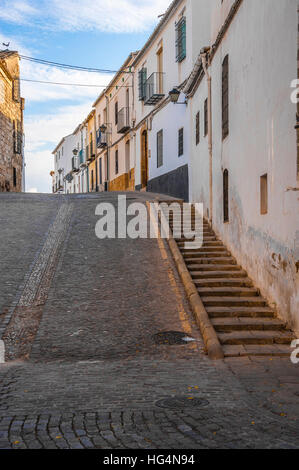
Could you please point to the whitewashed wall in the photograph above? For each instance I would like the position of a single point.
(262, 63)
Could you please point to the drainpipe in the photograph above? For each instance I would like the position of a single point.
(203, 53)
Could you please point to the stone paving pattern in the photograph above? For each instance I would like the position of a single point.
(95, 373)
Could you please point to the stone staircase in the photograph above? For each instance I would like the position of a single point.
(243, 321)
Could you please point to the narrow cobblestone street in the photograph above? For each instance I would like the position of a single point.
(79, 316)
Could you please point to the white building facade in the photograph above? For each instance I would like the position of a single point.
(243, 159)
(162, 130)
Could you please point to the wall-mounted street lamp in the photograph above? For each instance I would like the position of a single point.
(75, 152)
(104, 129)
(174, 95)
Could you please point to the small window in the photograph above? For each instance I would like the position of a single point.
(116, 113)
(197, 128)
(116, 162)
(159, 148)
(225, 98)
(14, 177)
(264, 194)
(206, 128)
(181, 142)
(101, 171)
(142, 76)
(180, 29)
(225, 196)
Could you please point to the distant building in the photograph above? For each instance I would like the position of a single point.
(11, 124)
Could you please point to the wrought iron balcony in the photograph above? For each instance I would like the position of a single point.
(123, 120)
(101, 139)
(90, 155)
(154, 89)
(75, 163)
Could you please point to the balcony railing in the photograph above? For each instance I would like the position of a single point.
(154, 89)
(90, 155)
(101, 139)
(123, 124)
(75, 163)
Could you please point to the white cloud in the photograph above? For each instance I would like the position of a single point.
(32, 91)
(45, 129)
(43, 132)
(117, 16)
(17, 11)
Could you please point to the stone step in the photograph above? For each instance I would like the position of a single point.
(256, 337)
(275, 350)
(242, 312)
(215, 275)
(223, 282)
(206, 254)
(206, 244)
(234, 301)
(226, 260)
(228, 291)
(214, 267)
(205, 249)
(224, 325)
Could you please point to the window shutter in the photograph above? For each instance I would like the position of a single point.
(116, 113)
(225, 197)
(142, 76)
(206, 117)
(197, 128)
(181, 47)
(159, 148)
(225, 102)
(181, 142)
(116, 162)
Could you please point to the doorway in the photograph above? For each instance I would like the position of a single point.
(144, 158)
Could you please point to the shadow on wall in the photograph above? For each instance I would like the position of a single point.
(175, 183)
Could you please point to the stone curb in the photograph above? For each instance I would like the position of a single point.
(211, 341)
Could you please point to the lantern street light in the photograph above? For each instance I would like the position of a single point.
(174, 95)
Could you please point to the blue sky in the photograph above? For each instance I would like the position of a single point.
(97, 34)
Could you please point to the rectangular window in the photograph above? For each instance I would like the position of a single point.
(180, 30)
(116, 113)
(197, 128)
(159, 148)
(116, 162)
(206, 118)
(142, 77)
(225, 196)
(101, 171)
(181, 142)
(14, 177)
(160, 70)
(264, 194)
(225, 102)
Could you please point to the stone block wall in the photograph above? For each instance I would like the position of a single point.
(11, 123)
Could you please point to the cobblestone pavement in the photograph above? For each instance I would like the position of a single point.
(93, 376)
